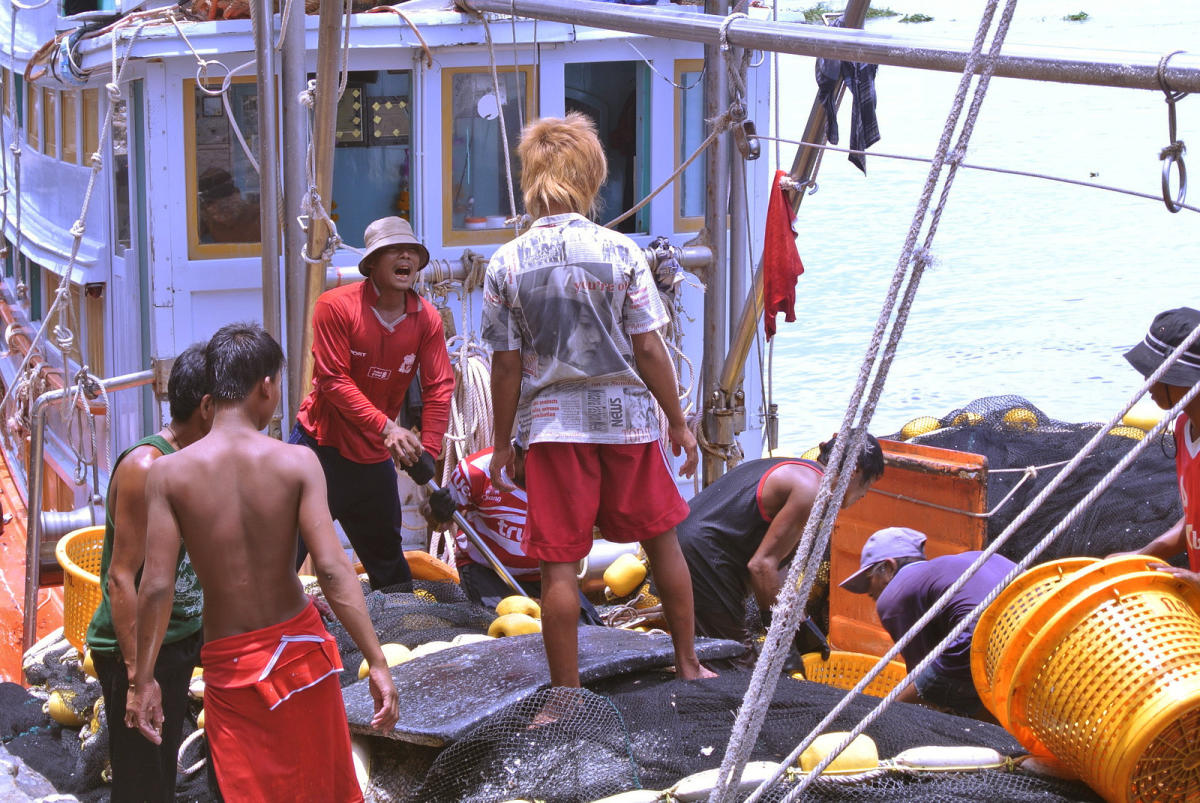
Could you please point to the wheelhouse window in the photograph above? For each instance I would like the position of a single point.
(476, 205)
(222, 184)
(689, 133)
(50, 122)
(69, 118)
(612, 94)
(120, 173)
(372, 161)
(33, 116)
(91, 123)
(7, 93)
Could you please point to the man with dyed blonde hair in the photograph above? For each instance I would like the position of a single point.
(585, 402)
(563, 165)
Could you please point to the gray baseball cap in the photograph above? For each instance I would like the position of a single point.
(890, 542)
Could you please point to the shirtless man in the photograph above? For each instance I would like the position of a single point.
(236, 500)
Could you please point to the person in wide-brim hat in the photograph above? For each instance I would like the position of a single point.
(389, 231)
(1168, 331)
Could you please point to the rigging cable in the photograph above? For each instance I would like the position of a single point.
(985, 168)
(834, 483)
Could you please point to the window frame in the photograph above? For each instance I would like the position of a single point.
(450, 235)
(197, 250)
(51, 100)
(69, 139)
(684, 223)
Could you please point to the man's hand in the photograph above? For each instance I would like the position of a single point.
(1186, 575)
(682, 440)
(143, 711)
(405, 447)
(503, 466)
(387, 701)
(441, 505)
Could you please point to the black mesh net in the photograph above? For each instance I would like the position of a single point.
(1015, 435)
(557, 745)
(433, 612)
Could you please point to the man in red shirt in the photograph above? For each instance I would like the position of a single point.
(369, 341)
(1169, 329)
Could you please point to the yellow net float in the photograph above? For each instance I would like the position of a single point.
(625, 574)
(967, 419)
(1133, 433)
(1020, 418)
(514, 624)
(919, 426)
(861, 755)
(394, 654)
(61, 711)
(519, 604)
(89, 668)
(1143, 415)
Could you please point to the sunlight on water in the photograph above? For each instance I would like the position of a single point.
(1038, 287)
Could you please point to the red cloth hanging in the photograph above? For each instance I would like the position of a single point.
(781, 261)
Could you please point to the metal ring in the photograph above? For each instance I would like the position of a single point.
(203, 78)
(1161, 73)
(1177, 203)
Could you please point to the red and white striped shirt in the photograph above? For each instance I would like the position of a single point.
(498, 516)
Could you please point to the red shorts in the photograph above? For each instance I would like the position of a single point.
(625, 489)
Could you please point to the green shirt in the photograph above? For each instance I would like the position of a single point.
(189, 601)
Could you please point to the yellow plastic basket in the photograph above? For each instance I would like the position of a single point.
(78, 552)
(845, 669)
(1004, 622)
(1110, 683)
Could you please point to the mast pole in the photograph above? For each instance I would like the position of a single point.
(804, 170)
(268, 164)
(329, 51)
(717, 420)
(292, 81)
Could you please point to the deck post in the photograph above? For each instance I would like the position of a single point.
(268, 166)
(292, 79)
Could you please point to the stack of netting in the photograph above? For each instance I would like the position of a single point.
(1013, 434)
(433, 612)
(650, 731)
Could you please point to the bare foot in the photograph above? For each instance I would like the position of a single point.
(693, 670)
(560, 703)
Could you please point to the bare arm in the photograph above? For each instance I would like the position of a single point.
(155, 595)
(654, 366)
(340, 585)
(1167, 545)
(780, 539)
(506, 393)
(128, 490)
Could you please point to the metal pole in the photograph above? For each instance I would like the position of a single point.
(1127, 69)
(33, 529)
(268, 161)
(293, 79)
(804, 170)
(329, 51)
(716, 216)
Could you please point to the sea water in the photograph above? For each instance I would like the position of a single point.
(1037, 287)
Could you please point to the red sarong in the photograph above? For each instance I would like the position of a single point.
(274, 716)
(781, 262)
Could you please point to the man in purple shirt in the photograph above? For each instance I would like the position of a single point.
(894, 571)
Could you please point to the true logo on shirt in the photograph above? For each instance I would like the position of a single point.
(354, 353)
(407, 365)
(375, 372)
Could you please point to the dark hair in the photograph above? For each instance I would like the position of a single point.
(870, 461)
(188, 382)
(239, 356)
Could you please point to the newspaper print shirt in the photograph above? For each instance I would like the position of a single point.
(569, 294)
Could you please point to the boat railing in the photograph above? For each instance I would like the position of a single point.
(53, 522)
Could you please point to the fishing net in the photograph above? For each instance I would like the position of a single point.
(435, 611)
(1014, 435)
(559, 744)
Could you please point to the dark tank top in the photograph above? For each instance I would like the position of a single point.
(724, 529)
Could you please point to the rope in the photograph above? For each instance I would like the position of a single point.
(417, 31)
(656, 71)
(985, 168)
(1020, 567)
(1029, 472)
(62, 295)
(788, 608)
(720, 125)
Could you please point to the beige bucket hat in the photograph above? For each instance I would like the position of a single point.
(390, 231)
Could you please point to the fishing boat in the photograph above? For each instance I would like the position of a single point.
(168, 170)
